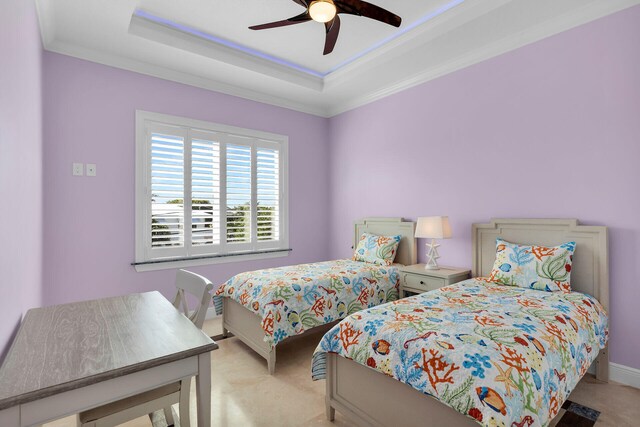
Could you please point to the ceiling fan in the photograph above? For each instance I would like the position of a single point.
(326, 12)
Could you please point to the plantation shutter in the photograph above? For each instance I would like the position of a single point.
(268, 194)
(167, 234)
(239, 195)
(208, 192)
(206, 197)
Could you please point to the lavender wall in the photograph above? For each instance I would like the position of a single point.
(549, 130)
(20, 164)
(89, 222)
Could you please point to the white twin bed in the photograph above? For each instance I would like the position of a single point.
(524, 377)
(474, 352)
(264, 307)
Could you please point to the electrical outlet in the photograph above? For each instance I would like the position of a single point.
(78, 169)
(91, 169)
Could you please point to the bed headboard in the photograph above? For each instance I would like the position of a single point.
(407, 250)
(590, 272)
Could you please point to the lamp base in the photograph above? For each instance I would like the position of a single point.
(432, 256)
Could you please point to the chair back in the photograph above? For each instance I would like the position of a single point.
(198, 286)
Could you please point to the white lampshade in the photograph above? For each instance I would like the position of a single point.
(433, 227)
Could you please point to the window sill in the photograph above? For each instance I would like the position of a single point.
(208, 261)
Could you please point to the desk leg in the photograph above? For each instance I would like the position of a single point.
(203, 390)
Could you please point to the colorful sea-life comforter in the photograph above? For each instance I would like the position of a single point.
(502, 355)
(296, 298)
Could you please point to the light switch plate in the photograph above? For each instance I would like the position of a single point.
(78, 169)
(91, 169)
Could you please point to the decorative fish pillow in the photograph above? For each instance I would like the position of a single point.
(379, 250)
(533, 267)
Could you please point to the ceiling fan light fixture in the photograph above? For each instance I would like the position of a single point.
(326, 12)
(322, 10)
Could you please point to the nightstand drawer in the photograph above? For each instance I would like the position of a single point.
(422, 283)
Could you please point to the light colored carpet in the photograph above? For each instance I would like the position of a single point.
(244, 394)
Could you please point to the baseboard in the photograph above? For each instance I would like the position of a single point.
(624, 375)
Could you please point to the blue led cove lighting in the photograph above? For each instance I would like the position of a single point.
(201, 34)
(394, 36)
(256, 53)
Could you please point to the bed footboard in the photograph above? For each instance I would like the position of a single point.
(247, 327)
(370, 398)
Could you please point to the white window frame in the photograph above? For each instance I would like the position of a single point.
(244, 252)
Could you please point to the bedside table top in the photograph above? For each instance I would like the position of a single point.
(443, 272)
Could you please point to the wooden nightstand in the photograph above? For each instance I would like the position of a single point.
(414, 278)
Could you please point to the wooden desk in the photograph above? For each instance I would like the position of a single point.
(72, 357)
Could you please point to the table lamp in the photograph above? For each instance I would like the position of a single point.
(433, 227)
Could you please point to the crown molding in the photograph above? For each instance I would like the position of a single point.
(153, 70)
(198, 44)
(441, 23)
(167, 32)
(320, 103)
(588, 13)
(46, 21)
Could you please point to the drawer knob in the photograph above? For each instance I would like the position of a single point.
(421, 282)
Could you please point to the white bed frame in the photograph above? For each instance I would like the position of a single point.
(246, 325)
(370, 398)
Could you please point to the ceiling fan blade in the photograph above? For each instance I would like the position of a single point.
(303, 17)
(302, 3)
(368, 10)
(333, 29)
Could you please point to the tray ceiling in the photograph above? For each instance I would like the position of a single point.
(208, 43)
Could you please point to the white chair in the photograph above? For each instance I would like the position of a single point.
(163, 397)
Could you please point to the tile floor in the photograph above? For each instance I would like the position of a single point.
(245, 395)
